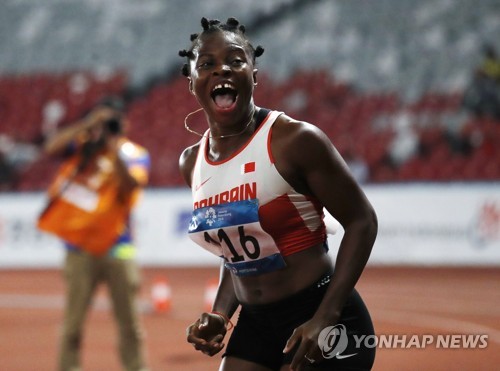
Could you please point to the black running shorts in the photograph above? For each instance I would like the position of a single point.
(263, 330)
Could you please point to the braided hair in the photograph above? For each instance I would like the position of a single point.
(214, 25)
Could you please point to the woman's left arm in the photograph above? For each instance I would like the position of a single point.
(321, 171)
(330, 180)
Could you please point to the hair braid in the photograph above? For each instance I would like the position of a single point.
(213, 25)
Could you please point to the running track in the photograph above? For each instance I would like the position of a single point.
(411, 301)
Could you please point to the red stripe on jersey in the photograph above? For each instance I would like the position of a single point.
(281, 219)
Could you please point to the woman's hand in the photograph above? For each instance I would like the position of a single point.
(207, 333)
(308, 351)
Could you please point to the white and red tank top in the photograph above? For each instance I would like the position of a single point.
(245, 212)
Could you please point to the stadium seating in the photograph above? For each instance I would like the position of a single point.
(381, 79)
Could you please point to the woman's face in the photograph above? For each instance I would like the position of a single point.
(223, 75)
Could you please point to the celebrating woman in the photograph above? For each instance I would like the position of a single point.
(260, 181)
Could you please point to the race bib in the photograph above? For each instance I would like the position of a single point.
(233, 231)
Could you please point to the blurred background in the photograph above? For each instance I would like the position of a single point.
(409, 93)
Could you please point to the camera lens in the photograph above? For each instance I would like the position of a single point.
(113, 126)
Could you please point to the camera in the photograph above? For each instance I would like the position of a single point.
(113, 126)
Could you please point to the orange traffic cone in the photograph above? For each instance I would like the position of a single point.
(161, 295)
(210, 293)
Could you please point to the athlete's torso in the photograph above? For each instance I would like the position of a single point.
(246, 212)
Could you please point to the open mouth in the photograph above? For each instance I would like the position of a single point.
(224, 95)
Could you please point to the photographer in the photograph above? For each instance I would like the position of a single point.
(90, 202)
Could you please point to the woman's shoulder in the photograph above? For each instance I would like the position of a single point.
(288, 130)
(187, 161)
(188, 155)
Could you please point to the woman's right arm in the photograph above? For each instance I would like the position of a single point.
(208, 331)
(186, 163)
(225, 301)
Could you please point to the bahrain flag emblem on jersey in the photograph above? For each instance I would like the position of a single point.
(249, 167)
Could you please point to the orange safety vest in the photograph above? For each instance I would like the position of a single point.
(84, 209)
